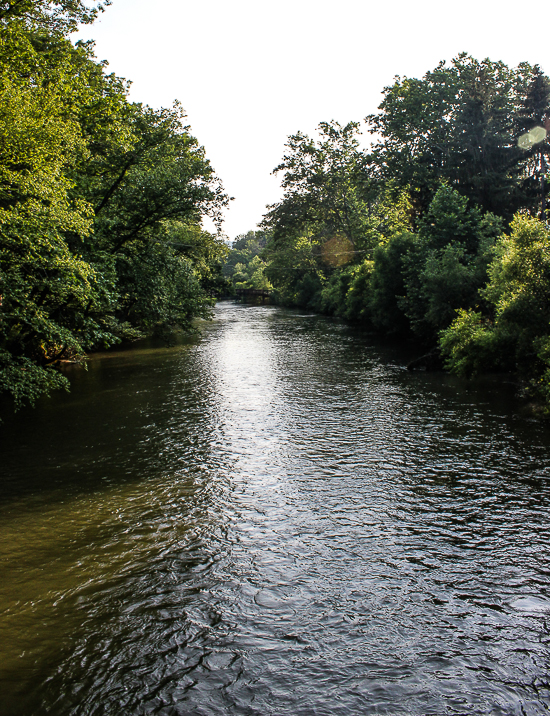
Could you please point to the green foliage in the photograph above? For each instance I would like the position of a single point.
(100, 204)
(449, 220)
(258, 238)
(514, 332)
(323, 220)
(62, 16)
(519, 276)
(325, 189)
(25, 381)
(50, 293)
(162, 288)
(541, 382)
(388, 284)
(459, 123)
(446, 264)
(294, 270)
(251, 275)
(163, 176)
(358, 297)
(470, 345)
(331, 218)
(448, 281)
(205, 251)
(245, 266)
(332, 298)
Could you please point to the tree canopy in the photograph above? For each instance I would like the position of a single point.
(460, 123)
(434, 232)
(101, 204)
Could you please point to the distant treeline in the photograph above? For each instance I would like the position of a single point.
(101, 202)
(438, 232)
(244, 266)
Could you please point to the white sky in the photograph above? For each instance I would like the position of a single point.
(249, 73)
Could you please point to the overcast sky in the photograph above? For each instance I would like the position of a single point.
(249, 73)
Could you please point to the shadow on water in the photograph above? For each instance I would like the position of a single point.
(83, 477)
(106, 430)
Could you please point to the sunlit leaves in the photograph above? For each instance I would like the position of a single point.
(62, 16)
(514, 335)
(100, 205)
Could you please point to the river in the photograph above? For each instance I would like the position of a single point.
(274, 518)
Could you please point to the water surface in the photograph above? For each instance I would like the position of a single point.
(274, 518)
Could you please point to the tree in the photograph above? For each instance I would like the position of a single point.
(447, 262)
(330, 215)
(325, 187)
(387, 290)
(100, 205)
(162, 175)
(245, 266)
(48, 291)
(532, 125)
(513, 332)
(61, 16)
(458, 123)
(294, 270)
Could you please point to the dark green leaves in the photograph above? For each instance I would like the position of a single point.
(100, 205)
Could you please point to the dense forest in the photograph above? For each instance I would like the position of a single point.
(245, 265)
(438, 232)
(101, 203)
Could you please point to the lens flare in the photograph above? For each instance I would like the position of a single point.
(337, 251)
(534, 136)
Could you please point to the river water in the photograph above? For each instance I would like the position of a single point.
(274, 518)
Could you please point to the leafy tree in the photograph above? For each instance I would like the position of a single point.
(325, 188)
(48, 291)
(358, 303)
(163, 175)
(259, 238)
(294, 270)
(519, 282)
(150, 193)
(243, 249)
(446, 264)
(245, 266)
(458, 123)
(330, 212)
(387, 290)
(100, 204)
(332, 297)
(513, 333)
(470, 345)
(62, 16)
(251, 275)
(532, 125)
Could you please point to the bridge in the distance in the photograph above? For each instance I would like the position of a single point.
(253, 293)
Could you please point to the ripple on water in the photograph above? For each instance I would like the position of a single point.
(274, 519)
